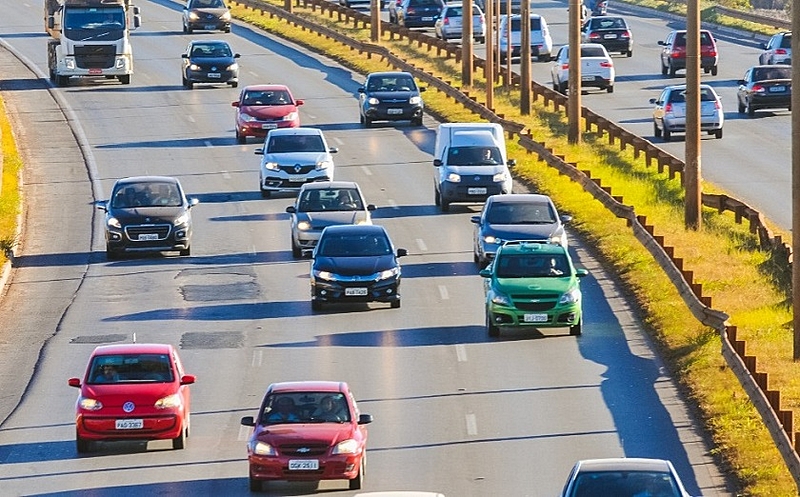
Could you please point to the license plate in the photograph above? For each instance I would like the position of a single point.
(394, 111)
(129, 424)
(303, 464)
(210, 27)
(610, 37)
(95, 71)
(294, 178)
(535, 318)
(147, 237)
(355, 292)
(269, 126)
(427, 18)
(777, 89)
(587, 78)
(476, 191)
(214, 75)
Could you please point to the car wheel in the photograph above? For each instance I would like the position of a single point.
(444, 206)
(125, 79)
(667, 135)
(185, 28)
(416, 121)
(265, 193)
(629, 53)
(476, 258)
(240, 138)
(296, 252)
(714, 71)
(187, 84)
(492, 329)
(361, 119)
(751, 111)
(255, 485)
(179, 442)
(718, 134)
(741, 106)
(227, 30)
(663, 69)
(437, 199)
(672, 71)
(396, 304)
(575, 329)
(316, 305)
(186, 252)
(355, 483)
(62, 80)
(656, 131)
(562, 88)
(82, 445)
(610, 89)
(481, 40)
(111, 254)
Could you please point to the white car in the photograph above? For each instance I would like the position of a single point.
(597, 68)
(669, 113)
(541, 41)
(293, 157)
(449, 23)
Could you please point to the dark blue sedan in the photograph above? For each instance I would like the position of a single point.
(209, 61)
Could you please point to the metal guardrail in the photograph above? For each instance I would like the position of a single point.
(767, 402)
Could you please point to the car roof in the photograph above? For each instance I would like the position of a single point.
(294, 131)
(519, 198)
(624, 463)
(390, 73)
(132, 180)
(308, 386)
(209, 42)
(683, 87)
(325, 185)
(264, 87)
(133, 348)
(526, 247)
(355, 229)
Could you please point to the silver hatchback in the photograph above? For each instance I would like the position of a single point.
(669, 114)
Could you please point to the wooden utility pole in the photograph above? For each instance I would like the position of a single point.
(507, 81)
(574, 100)
(375, 21)
(691, 173)
(489, 72)
(525, 59)
(466, 43)
(795, 190)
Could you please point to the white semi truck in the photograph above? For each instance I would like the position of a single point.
(90, 38)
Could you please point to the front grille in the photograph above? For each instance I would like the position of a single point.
(95, 56)
(303, 450)
(541, 302)
(534, 306)
(161, 230)
(297, 168)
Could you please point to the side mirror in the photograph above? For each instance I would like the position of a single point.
(236, 55)
(235, 104)
(422, 88)
(184, 55)
(259, 151)
(291, 209)
(661, 42)
(437, 162)
(475, 220)
(485, 273)
(580, 273)
(298, 103)
(193, 201)
(565, 218)
(102, 205)
(402, 252)
(74, 382)
(188, 379)
(371, 207)
(51, 22)
(511, 162)
(742, 82)
(364, 419)
(333, 150)
(361, 89)
(248, 421)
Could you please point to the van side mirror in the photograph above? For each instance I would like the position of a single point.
(437, 162)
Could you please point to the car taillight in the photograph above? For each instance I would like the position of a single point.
(625, 34)
(564, 67)
(781, 51)
(594, 36)
(678, 53)
(605, 63)
(668, 108)
(717, 105)
(758, 89)
(446, 21)
(411, 11)
(481, 20)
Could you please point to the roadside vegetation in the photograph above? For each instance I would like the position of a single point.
(742, 280)
(10, 200)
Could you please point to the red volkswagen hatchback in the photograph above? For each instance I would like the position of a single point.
(261, 108)
(308, 430)
(133, 392)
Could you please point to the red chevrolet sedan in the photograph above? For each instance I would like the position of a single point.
(308, 430)
(133, 392)
(261, 108)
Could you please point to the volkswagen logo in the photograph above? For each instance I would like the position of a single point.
(476, 178)
(298, 168)
(303, 450)
(213, 68)
(128, 406)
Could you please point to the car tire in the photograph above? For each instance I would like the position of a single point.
(297, 253)
(82, 445)
(667, 135)
(718, 134)
(187, 84)
(629, 53)
(233, 84)
(227, 30)
(575, 329)
(240, 138)
(395, 304)
(316, 305)
(444, 206)
(367, 122)
(189, 30)
(186, 252)
(476, 258)
(111, 254)
(656, 131)
(672, 71)
(62, 80)
(714, 71)
(266, 193)
(125, 79)
(416, 121)
(256, 485)
(610, 89)
(361, 119)
(437, 199)
(664, 69)
(179, 442)
(491, 329)
(741, 107)
(185, 29)
(355, 483)
(562, 88)
(751, 111)
(481, 40)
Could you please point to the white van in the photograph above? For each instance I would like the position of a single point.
(541, 41)
(470, 165)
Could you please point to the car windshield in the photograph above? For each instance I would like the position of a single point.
(207, 4)
(366, 245)
(130, 368)
(305, 407)
(474, 156)
(295, 143)
(519, 213)
(532, 266)
(627, 483)
(211, 50)
(266, 97)
(151, 194)
(763, 73)
(330, 199)
(391, 83)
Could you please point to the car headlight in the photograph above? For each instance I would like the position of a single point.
(262, 448)
(454, 178)
(415, 100)
(499, 177)
(501, 299)
(194, 67)
(303, 225)
(114, 223)
(181, 220)
(324, 164)
(560, 239)
(272, 166)
(571, 297)
(492, 240)
(324, 275)
(193, 16)
(90, 404)
(292, 116)
(247, 117)
(226, 16)
(373, 101)
(349, 446)
(168, 402)
(233, 67)
(389, 273)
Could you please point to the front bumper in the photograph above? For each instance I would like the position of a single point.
(212, 77)
(136, 238)
(261, 128)
(155, 427)
(388, 112)
(558, 316)
(371, 291)
(277, 180)
(209, 25)
(338, 467)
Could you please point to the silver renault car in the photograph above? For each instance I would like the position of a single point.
(293, 157)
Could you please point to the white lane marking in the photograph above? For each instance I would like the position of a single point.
(461, 352)
(443, 292)
(392, 204)
(190, 119)
(366, 171)
(207, 143)
(252, 250)
(244, 433)
(472, 425)
(258, 357)
(226, 175)
(421, 245)
(338, 140)
(254, 74)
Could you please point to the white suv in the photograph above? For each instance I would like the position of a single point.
(541, 41)
(293, 157)
(778, 50)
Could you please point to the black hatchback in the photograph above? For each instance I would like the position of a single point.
(390, 96)
(148, 214)
(355, 263)
(209, 61)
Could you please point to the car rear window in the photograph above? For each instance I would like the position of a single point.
(536, 24)
(764, 73)
(592, 52)
(786, 42)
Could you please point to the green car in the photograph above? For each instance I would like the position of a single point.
(532, 284)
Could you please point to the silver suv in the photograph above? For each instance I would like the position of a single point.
(293, 157)
(778, 50)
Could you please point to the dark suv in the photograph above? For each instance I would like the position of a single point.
(390, 96)
(673, 52)
(416, 13)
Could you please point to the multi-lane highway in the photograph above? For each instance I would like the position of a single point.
(455, 411)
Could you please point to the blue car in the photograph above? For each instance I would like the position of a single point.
(390, 96)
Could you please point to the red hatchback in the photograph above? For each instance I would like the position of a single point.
(308, 430)
(261, 108)
(133, 392)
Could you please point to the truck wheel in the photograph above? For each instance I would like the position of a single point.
(62, 80)
(125, 80)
